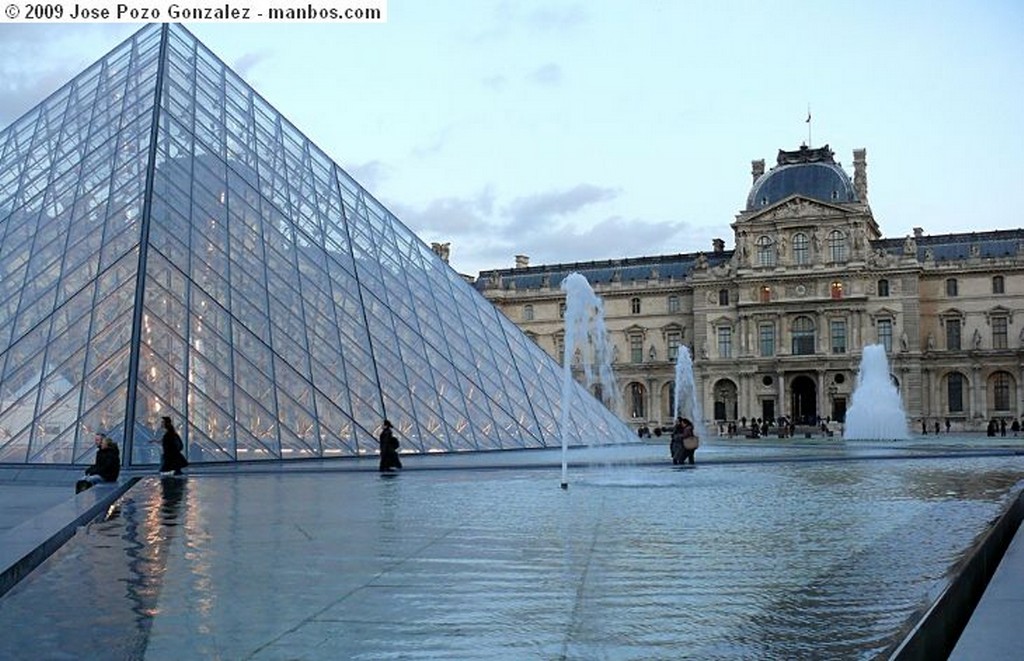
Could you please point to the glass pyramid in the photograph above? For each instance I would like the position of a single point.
(171, 245)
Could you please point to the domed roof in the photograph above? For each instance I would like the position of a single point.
(811, 173)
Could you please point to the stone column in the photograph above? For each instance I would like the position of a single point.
(926, 395)
(822, 391)
(976, 390)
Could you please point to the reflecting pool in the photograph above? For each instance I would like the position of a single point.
(830, 558)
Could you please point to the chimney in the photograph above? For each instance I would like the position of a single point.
(918, 232)
(718, 245)
(860, 173)
(522, 261)
(757, 168)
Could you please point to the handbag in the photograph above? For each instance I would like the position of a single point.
(691, 442)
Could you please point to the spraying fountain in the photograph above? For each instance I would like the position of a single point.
(584, 332)
(687, 402)
(877, 409)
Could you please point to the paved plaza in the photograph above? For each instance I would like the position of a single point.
(483, 556)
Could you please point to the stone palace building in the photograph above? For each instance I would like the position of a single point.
(776, 326)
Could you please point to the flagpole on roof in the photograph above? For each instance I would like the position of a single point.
(808, 126)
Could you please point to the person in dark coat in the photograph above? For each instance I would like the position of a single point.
(172, 460)
(675, 446)
(389, 460)
(105, 468)
(690, 442)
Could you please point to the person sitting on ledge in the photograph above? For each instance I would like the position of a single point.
(106, 467)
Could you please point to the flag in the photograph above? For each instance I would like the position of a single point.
(808, 120)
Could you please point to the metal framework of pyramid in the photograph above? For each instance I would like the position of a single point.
(171, 245)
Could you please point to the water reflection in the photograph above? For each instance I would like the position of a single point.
(98, 595)
(760, 560)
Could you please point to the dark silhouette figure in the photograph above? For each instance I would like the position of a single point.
(924, 426)
(173, 460)
(684, 442)
(947, 425)
(937, 428)
(389, 460)
(105, 468)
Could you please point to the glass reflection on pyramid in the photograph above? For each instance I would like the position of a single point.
(171, 245)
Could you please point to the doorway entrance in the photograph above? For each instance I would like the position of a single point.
(804, 393)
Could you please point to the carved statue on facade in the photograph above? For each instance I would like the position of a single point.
(931, 342)
(977, 339)
(910, 246)
(904, 342)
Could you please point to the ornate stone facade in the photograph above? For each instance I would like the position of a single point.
(776, 325)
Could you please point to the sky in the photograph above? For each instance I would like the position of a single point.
(575, 131)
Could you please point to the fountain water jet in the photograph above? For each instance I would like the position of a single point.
(876, 412)
(584, 331)
(687, 403)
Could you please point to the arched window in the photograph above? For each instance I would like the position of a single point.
(955, 392)
(766, 294)
(803, 336)
(837, 246)
(527, 312)
(801, 253)
(997, 284)
(668, 404)
(883, 287)
(636, 401)
(837, 289)
(634, 305)
(765, 251)
(1001, 391)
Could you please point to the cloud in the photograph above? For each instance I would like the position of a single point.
(496, 82)
(244, 65)
(558, 17)
(449, 216)
(547, 226)
(549, 74)
(537, 209)
(370, 174)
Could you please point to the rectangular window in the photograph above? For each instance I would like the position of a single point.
(725, 342)
(636, 348)
(767, 335)
(1001, 392)
(674, 339)
(673, 304)
(723, 297)
(953, 334)
(951, 287)
(955, 393)
(999, 333)
(838, 336)
(885, 334)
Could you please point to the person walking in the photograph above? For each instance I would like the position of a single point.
(675, 446)
(690, 442)
(389, 460)
(105, 468)
(173, 459)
